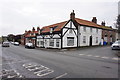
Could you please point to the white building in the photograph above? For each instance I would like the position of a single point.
(72, 33)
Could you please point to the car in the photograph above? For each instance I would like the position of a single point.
(116, 45)
(5, 44)
(12, 42)
(16, 43)
(29, 45)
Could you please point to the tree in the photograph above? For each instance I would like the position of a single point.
(118, 23)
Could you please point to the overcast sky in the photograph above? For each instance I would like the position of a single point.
(16, 16)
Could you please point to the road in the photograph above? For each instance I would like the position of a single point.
(95, 62)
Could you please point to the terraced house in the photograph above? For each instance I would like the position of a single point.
(29, 36)
(72, 33)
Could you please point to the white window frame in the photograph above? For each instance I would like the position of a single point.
(70, 41)
(96, 39)
(96, 30)
(91, 29)
(84, 28)
(51, 42)
(57, 42)
(84, 39)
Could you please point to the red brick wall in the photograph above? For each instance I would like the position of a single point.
(108, 34)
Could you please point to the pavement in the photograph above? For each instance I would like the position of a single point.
(95, 62)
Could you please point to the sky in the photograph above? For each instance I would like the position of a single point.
(16, 16)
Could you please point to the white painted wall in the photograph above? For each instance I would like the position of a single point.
(88, 33)
(68, 34)
(47, 41)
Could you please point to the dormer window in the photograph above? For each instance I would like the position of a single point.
(51, 30)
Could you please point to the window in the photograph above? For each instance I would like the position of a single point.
(70, 30)
(84, 39)
(41, 42)
(51, 42)
(84, 29)
(70, 41)
(38, 43)
(96, 30)
(90, 29)
(57, 42)
(96, 39)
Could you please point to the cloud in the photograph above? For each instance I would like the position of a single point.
(20, 15)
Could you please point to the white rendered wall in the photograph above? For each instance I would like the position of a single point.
(88, 33)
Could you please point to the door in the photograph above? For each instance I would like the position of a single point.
(90, 43)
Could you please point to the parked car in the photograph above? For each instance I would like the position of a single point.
(29, 45)
(16, 43)
(12, 42)
(116, 45)
(5, 44)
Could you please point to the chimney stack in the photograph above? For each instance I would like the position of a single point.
(33, 29)
(94, 20)
(38, 28)
(25, 31)
(103, 23)
(72, 15)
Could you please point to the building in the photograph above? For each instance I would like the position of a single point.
(23, 40)
(29, 36)
(72, 33)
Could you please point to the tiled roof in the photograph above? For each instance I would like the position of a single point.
(87, 23)
(60, 25)
(105, 27)
(57, 25)
(28, 34)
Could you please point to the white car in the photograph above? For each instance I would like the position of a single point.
(16, 43)
(116, 45)
(5, 44)
(29, 45)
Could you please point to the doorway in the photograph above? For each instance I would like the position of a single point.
(90, 43)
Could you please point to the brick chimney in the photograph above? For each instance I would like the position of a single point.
(33, 29)
(72, 15)
(38, 28)
(25, 31)
(103, 23)
(94, 20)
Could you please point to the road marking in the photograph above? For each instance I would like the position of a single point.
(43, 74)
(115, 58)
(89, 55)
(41, 70)
(60, 76)
(96, 56)
(105, 57)
(81, 54)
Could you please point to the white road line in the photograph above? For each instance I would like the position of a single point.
(115, 58)
(81, 54)
(96, 56)
(49, 71)
(60, 76)
(89, 55)
(105, 57)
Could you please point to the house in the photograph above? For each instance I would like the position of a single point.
(74, 32)
(29, 36)
(108, 33)
(23, 37)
